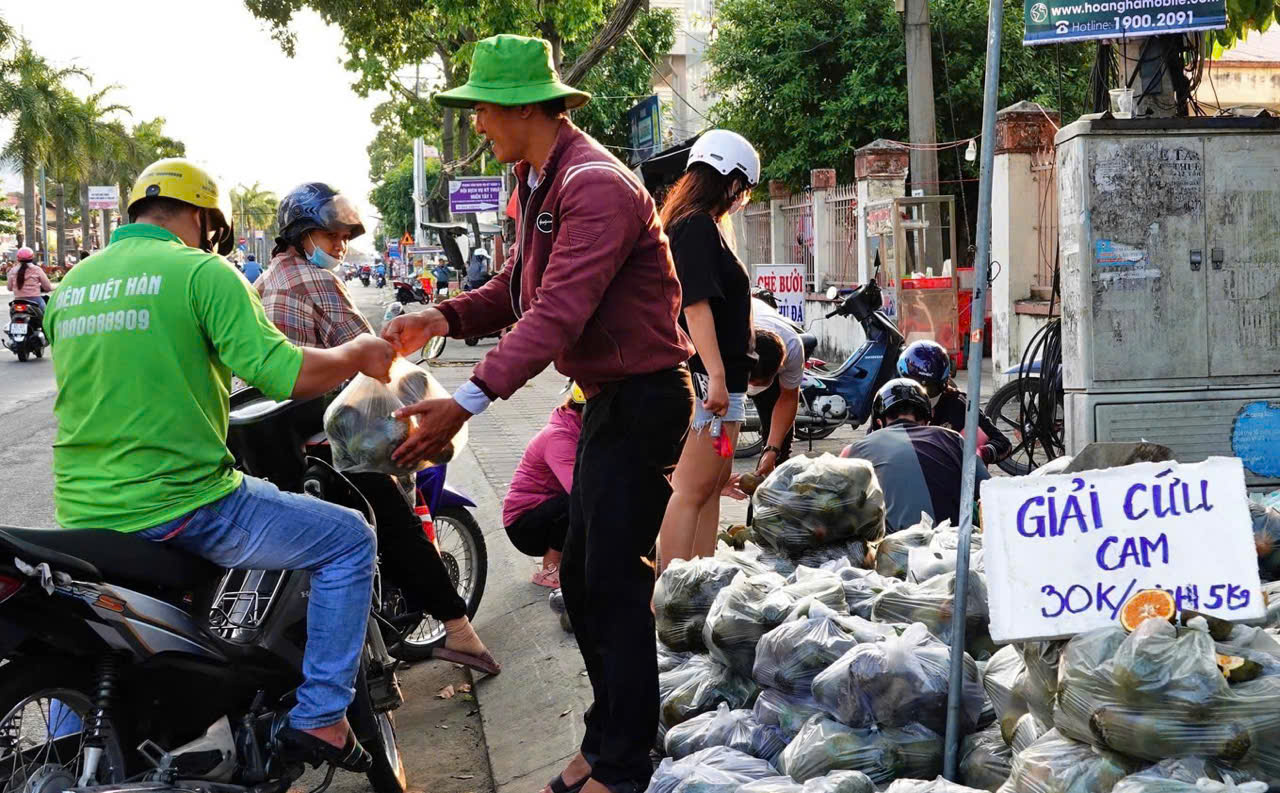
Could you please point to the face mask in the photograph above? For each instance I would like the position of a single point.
(321, 258)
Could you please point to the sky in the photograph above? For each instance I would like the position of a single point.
(210, 68)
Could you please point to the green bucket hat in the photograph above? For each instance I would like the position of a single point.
(512, 70)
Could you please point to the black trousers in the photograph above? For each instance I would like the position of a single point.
(764, 402)
(408, 559)
(632, 433)
(542, 528)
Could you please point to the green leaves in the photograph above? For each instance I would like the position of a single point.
(809, 81)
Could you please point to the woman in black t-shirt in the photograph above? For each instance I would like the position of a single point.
(723, 167)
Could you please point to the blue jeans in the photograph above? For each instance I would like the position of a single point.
(258, 527)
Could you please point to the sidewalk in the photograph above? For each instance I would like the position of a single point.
(532, 712)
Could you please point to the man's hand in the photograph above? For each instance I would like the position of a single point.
(370, 355)
(768, 461)
(438, 421)
(408, 333)
(717, 401)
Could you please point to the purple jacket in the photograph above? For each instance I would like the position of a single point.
(591, 280)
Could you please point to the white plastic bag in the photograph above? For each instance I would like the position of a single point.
(362, 431)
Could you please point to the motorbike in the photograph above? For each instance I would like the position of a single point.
(382, 280)
(365, 277)
(410, 292)
(137, 668)
(830, 398)
(25, 330)
(295, 456)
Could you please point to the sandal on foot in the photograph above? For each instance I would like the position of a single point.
(548, 576)
(484, 662)
(558, 785)
(351, 757)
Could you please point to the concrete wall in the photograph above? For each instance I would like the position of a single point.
(1236, 83)
(838, 337)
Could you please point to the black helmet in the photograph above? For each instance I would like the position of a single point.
(316, 205)
(899, 393)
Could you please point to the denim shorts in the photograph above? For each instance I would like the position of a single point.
(702, 417)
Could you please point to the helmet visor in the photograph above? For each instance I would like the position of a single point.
(340, 214)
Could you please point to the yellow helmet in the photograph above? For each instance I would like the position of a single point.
(183, 180)
(576, 394)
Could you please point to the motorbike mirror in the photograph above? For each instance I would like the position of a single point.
(832, 293)
(433, 348)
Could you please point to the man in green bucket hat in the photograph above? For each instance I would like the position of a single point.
(591, 288)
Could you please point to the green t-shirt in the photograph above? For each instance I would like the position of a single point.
(145, 336)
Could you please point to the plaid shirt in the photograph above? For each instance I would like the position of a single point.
(308, 304)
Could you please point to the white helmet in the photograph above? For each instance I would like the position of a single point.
(727, 151)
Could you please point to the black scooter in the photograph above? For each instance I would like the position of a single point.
(25, 331)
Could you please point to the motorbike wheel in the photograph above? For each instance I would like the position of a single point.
(39, 352)
(22, 356)
(815, 432)
(466, 557)
(1030, 451)
(46, 749)
(377, 733)
(750, 438)
(471, 341)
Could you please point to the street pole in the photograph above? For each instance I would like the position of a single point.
(920, 101)
(44, 218)
(995, 25)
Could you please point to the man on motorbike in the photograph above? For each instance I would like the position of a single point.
(146, 334)
(928, 363)
(314, 309)
(593, 289)
(918, 465)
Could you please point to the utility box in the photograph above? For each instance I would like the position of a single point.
(1169, 241)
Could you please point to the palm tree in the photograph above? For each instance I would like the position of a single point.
(254, 208)
(31, 98)
(68, 157)
(106, 143)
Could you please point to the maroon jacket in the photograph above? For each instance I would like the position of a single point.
(591, 279)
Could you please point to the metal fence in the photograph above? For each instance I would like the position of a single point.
(1044, 171)
(758, 231)
(842, 235)
(797, 222)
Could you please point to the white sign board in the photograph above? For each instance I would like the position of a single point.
(1063, 553)
(786, 282)
(104, 197)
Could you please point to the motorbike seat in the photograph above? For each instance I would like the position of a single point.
(106, 555)
(810, 343)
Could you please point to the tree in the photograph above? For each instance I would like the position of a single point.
(106, 143)
(254, 208)
(34, 100)
(8, 220)
(623, 76)
(391, 144)
(393, 197)
(383, 37)
(809, 81)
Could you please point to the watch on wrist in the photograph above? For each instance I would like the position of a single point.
(768, 449)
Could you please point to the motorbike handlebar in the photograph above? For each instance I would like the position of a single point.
(833, 314)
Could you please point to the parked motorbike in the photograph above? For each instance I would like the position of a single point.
(137, 668)
(829, 399)
(25, 330)
(410, 292)
(295, 456)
